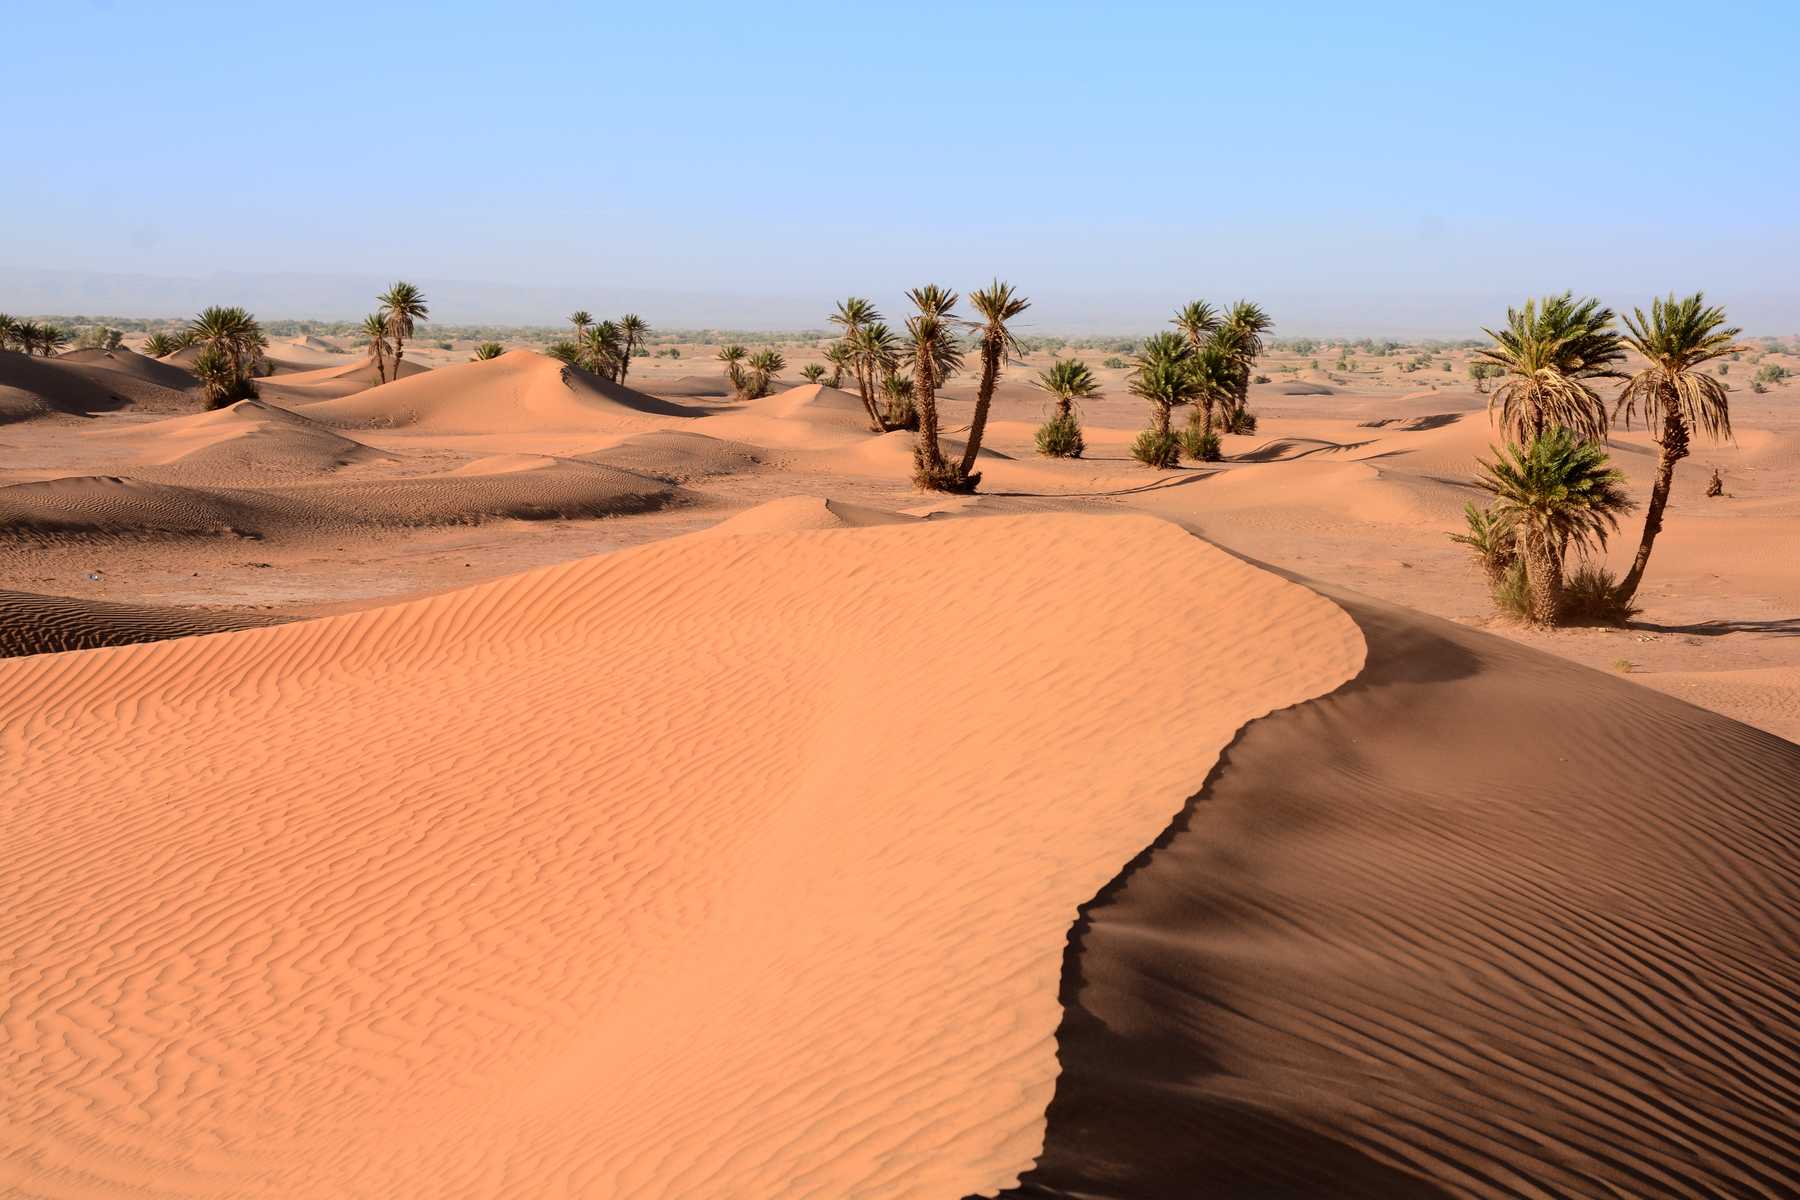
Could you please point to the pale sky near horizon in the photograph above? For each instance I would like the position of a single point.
(1385, 166)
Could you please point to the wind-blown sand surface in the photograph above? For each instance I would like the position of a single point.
(728, 866)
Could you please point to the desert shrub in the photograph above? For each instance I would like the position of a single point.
(812, 373)
(159, 344)
(1115, 363)
(1591, 597)
(446, 345)
(1314, 364)
(569, 352)
(1060, 437)
(1201, 445)
(1512, 592)
(1261, 379)
(1237, 420)
(1491, 540)
(1724, 370)
(1758, 386)
(488, 350)
(1156, 449)
(1770, 373)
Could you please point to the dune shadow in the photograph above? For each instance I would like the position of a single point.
(1279, 450)
(1778, 627)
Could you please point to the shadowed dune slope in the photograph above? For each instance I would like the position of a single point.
(519, 392)
(1481, 923)
(37, 387)
(130, 362)
(34, 624)
(701, 869)
(246, 442)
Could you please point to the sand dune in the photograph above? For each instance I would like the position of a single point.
(519, 392)
(711, 387)
(795, 513)
(810, 416)
(130, 362)
(723, 867)
(33, 624)
(247, 442)
(1479, 924)
(678, 456)
(39, 387)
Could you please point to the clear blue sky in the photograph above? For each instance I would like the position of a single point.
(1373, 166)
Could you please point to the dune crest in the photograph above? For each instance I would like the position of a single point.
(725, 866)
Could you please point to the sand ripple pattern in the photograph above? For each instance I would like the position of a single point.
(1480, 924)
(721, 867)
(34, 624)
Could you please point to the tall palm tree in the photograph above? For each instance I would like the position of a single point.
(632, 329)
(1676, 340)
(853, 315)
(1548, 356)
(402, 304)
(1240, 337)
(581, 318)
(375, 328)
(1198, 320)
(935, 356)
(1554, 492)
(840, 357)
(1216, 374)
(1164, 376)
(997, 303)
(875, 351)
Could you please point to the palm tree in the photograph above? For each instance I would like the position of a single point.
(218, 378)
(601, 350)
(488, 350)
(231, 331)
(1216, 374)
(935, 356)
(875, 351)
(1555, 492)
(1164, 376)
(402, 304)
(581, 318)
(52, 338)
(997, 305)
(840, 357)
(1198, 320)
(633, 329)
(159, 344)
(813, 373)
(26, 334)
(1067, 380)
(1547, 356)
(1678, 338)
(1240, 337)
(764, 365)
(733, 355)
(375, 328)
(9, 329)
(898, 410)
(853, 315)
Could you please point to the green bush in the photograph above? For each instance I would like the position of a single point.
(1591, 597)
(1512, 592)
(1060, 437)
(1238, 420)
(1159, 450)
(1201, 445)
(1115, 363)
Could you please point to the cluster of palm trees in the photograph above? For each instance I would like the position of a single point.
(232, 348)
(403, 305)
(29, 337)
(606, 348)
(878, 358)
(1552, 487)
(751, 374)
(1206, 362)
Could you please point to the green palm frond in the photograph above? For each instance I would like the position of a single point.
(853, 313)
(1678, 338)
(1559, 487)
(1068, 380)
(1197, 320)
(1549, 355)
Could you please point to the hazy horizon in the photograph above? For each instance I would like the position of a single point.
(1409, 173)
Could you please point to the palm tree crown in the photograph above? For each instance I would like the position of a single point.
(1549, 354)
(1068, 380)
(1559, 486)
(1676, 340)
(1198, 320)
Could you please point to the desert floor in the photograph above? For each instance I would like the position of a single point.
(628, 791)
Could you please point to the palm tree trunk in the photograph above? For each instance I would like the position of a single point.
(624, 362)
(1674, 449)
(927, 453)
(867, 392)
(984, 398)
(1162, 420)
(398, 343)
(1543, 577)
(380, 361)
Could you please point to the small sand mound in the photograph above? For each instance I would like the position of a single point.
(130, 362)
(807, 512)
(1305, 389)
(109, 506)
(357, 374)
(248, 442)
(719, 867)
(40, 387)
(708, 387)
(34, 624)
(519, 392)
(678, 456)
